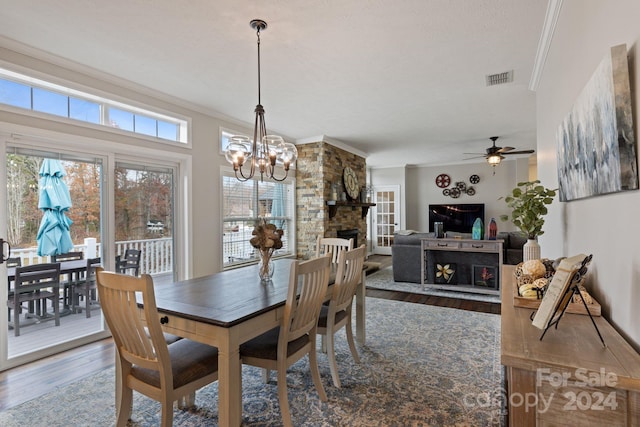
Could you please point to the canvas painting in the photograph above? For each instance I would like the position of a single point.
(596, 143)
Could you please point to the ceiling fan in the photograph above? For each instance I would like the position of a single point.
(495, 155)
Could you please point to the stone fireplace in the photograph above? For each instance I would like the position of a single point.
(319, 166)
(349, 234)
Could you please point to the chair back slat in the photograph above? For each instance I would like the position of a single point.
(69, 256)
(14, 262)
(119, 296)
(334, 246)
(308, 284)
(349, 273)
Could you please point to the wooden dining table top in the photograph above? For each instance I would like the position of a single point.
(226, 298)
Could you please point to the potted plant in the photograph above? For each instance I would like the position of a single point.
(528, 203)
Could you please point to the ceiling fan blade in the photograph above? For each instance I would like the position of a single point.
(475, 154)
(504, 149)
(479, 156)
(520, 152)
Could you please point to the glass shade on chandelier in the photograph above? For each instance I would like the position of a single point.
(264, 152)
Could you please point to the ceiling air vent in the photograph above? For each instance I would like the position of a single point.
(500, 78)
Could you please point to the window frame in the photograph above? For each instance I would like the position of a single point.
(105, 104)
(290, 221)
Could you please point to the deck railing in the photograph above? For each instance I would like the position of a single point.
(156, 254)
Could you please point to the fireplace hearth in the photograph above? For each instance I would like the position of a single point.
(349, 234)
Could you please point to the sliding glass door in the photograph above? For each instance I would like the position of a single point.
(53, 207)
(144, 216)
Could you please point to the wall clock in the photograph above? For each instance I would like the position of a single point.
(351, 183)
(443, 180)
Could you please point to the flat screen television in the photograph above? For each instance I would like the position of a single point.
(456, 217)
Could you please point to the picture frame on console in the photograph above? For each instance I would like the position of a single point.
(485, 276)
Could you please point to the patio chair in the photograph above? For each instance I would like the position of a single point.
(129, 263)
(282, 346)
(166, 373)
(337, 314)
(86, 288)
(70, 279)
(35, 283)
(12, 262)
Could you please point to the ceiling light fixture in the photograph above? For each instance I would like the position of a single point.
(265, 150)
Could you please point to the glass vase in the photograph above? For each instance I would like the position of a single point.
(265, 268)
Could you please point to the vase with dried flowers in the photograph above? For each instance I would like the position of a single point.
(267, 238)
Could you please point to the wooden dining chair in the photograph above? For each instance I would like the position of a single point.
(333, 246)
(129, 263)
(35, 283)
(166, 373)
(337, 314)
(282, 346)
(86, 288)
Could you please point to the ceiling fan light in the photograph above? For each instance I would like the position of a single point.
(494, 159)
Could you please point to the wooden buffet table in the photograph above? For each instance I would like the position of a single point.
(569, 378)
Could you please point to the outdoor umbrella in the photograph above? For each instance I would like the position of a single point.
(54, 200)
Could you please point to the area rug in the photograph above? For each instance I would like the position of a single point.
(383, 279)
(422, 366)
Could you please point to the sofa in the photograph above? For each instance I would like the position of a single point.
(513, 241)
(406, 256)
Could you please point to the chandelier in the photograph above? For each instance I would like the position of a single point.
(264, 151)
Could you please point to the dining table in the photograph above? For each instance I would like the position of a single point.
(226, 309)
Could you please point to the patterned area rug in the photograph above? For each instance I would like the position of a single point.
(383, 279)
(422, 366)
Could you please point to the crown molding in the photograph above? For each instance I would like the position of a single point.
(334, 142)
(544, 44)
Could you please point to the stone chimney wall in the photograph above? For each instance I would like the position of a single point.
(319, 166)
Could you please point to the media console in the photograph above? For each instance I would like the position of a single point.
(476, 265)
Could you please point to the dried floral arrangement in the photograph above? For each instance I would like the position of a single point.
(267, 238)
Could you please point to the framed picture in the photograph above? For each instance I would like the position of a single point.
(596, 142)
(445, 273)
(485, 276)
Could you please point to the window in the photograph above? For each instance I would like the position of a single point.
(32, 94)
(243, 203)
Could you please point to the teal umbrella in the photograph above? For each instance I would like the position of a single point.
(54, 200)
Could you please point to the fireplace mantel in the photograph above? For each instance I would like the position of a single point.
(333, 207)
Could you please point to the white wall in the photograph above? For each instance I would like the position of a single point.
(606, 226)
(392, 176)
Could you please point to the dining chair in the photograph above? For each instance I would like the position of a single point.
(86, 288)
(129, 262)
(166, 373)
(70, 278)
(332, 245)
(280, 347)
(35, 283)
(337, 314)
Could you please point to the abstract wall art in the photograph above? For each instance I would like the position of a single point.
(596, 143)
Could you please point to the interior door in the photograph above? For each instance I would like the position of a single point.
(386, 217)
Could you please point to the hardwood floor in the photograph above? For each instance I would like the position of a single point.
(27, 382)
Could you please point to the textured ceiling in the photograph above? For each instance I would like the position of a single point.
(401, 80)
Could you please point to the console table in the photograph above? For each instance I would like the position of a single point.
(568, 378)
(478, 264)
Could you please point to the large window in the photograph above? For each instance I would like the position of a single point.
(24, 92)
(243, 204)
